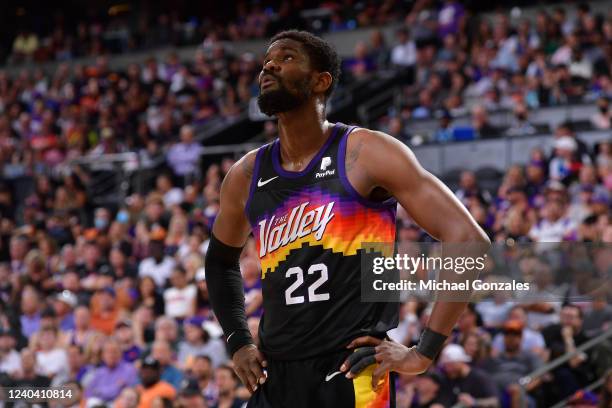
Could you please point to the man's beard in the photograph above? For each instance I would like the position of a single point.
(282, 100)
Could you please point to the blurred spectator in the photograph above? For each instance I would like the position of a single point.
(404, 53)
(379, 53)
(76, 369)
(105, 311)
(112, 376)
(563, 338)
(51, 358)
(226, 382)
(150, 296)
(469, 322)
(158, 266)
(251, 275)
(125, 336)
(481, 125)
(426, 391)
(190, 396)
(18, 251)
(152, 386)
(198, 342)
(10, 361)
(202, 374)
(361, 64)
(451, 18)
(161, 351)
(445, 131)
(180, 297)
(531, 340)
(24, 46)
(599, 318)
(514, 363)
(30, 311)
(464, 384)
(468, 188)
(28, 375)
(183, 157)
(477, 347)
(83, 331)
(64, 304)
(521, 125)
(128, 398)
(603, 118)
(555, 225)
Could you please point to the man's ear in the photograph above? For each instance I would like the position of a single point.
(323, 81)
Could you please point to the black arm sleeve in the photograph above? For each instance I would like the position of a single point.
(225, 288)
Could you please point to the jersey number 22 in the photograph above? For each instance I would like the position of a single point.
(290, 299)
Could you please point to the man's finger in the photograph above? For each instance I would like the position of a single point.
(252, 380)
(356, 357)
(382, 346)
(244, 377)
(378, 374)
(262, 359)
(364, 341)
(361, 365)
(256, 369)
(240, 375)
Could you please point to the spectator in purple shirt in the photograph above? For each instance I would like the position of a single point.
(450, 18)
(115, 374)
(183, 157)
(30, 311)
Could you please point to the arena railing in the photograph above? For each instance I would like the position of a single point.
(110, 177)
(547, 368)
(591, 387)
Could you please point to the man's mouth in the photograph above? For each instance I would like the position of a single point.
(267, 81)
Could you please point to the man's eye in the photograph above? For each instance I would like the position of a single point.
(288, 57)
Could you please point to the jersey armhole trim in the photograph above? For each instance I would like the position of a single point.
(390, 202)
(253, 186)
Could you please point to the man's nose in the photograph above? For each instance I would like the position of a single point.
(270, 66)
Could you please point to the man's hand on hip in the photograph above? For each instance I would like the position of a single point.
(392, 356)
(249, 363)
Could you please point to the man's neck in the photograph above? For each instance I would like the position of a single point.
(302, 132)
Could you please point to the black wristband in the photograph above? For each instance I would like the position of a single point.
(431, 343)
(238, 339)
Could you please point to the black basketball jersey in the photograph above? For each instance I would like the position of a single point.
(309, 227)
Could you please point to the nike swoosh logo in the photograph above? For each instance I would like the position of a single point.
(228, 337)
(263, 183)
(332, 375)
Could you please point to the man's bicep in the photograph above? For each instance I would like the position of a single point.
(426, 199)
(231, 224)
(231, 227)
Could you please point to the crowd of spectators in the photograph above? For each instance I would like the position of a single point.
(464, 62)
(90, 293)
(128, 28)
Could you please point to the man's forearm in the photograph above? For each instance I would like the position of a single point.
(444, 315)
(226, 292)
(449, 305)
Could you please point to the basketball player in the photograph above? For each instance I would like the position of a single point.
(311, 198)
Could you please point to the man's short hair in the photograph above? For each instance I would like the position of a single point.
(322, 55)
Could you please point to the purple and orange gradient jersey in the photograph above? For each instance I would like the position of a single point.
(310, 228)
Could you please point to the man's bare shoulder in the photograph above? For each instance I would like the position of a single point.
(246, 164)
(365, 145)
(238, 179)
